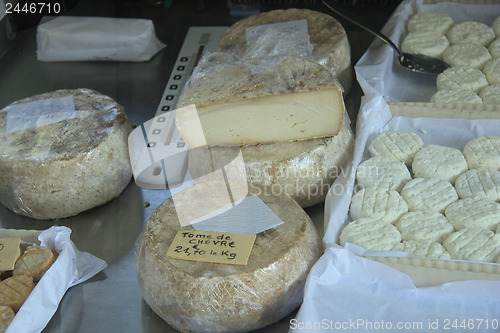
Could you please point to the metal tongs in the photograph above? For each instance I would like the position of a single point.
(414, 62)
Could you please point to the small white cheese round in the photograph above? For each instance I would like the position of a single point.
(496, 26)
(461, 78)
(470, 31)
(435, 21)
(423, 249)
(482, 182)
(441, 162)
(380, 171)
(467, 54)
(494, 48)
(399, 145)
(429, 194)
(473, 244)
(492, 71)
(379, 203)
(491, 94)
(483, 151)
(474, 212)
(456, 96)
(430, 43)
(371, 234)
(424, 226)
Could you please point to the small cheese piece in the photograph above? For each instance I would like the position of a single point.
(378, 203)
(370, 234)
(209, 297)
(380, 171)
(305, 169)
(494, 48)
(72, 156)
(435, 21)
(423, 249)
(492, 71)
(435, 161)
(473, 244)
(474, 212)
(470, 31)
(424, 226)
(15, 290)
(429, 43)
(483, 151)
(491, 94)
(482, 182)
(34, 262)
(429, 194)
(461, 78)
(331, 47)
(456, 96)
(467, 54)
(399, 145)
(6, 316)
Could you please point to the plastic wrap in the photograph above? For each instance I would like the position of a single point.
(67, 38)
(62, 152)
(331, 47)
(207, 297)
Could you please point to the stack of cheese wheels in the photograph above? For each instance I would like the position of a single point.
(331, 47)
(216, 297)
(289, 122)
(72, 157)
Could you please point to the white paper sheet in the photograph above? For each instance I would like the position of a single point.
(71, 268)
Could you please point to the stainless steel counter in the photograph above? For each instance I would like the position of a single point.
(111, 301)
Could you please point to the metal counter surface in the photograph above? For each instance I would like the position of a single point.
(111, 301)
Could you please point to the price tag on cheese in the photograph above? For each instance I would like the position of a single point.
(215, 247)
(10, 250)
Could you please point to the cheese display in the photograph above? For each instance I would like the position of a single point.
(371, 234)
(474, 212)
(483, 151)
(209, 297)
(424, 226)
(434, 21)
(378, 203)
(429, 43)
(467, 54)
(482, 182)
(423, 249)
(462, 78)
(470, 31)
(383, 172)
(456, 96)
(429, 194)
(473, 244)
(303, 169)
(442, 162)
(331, 47)
(399, 145)
(62, 153)
(492, 71)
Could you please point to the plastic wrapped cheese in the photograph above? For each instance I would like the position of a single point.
(216, 297)
(62, 153)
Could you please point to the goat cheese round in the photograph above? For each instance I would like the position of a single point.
(473, 244)
(217, 297)
(434, 21)
(441, 162)
(399, 145)
(379, 203)
(370, 234)
(474, 212)
(467, 54)
(429, 194)
(491, 94)
(494, 48)
(429, 43)
(483, 151)
(461, 78)
(424, 226)
(470, 31)
(423, 249)
(482, 182)
(381, 171)
(492, 71)
(62, 153)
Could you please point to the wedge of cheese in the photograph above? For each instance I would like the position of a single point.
(295, 100)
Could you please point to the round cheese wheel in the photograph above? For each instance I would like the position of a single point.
(215, 297)
(331, 47)
(62, 153)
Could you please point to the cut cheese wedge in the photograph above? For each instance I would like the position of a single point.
(287, 117)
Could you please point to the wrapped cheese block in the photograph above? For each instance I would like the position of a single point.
(62, 153)
(197, 296)
(303, 167)
(331, 47)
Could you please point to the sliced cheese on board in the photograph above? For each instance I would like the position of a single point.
(209, 297)
(331, 47)
(62, 153)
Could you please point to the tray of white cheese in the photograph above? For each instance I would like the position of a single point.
(465, 35)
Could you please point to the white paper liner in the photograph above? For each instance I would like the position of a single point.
(71, 268)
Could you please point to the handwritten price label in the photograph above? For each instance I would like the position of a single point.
(215, 247)
(10, 250)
